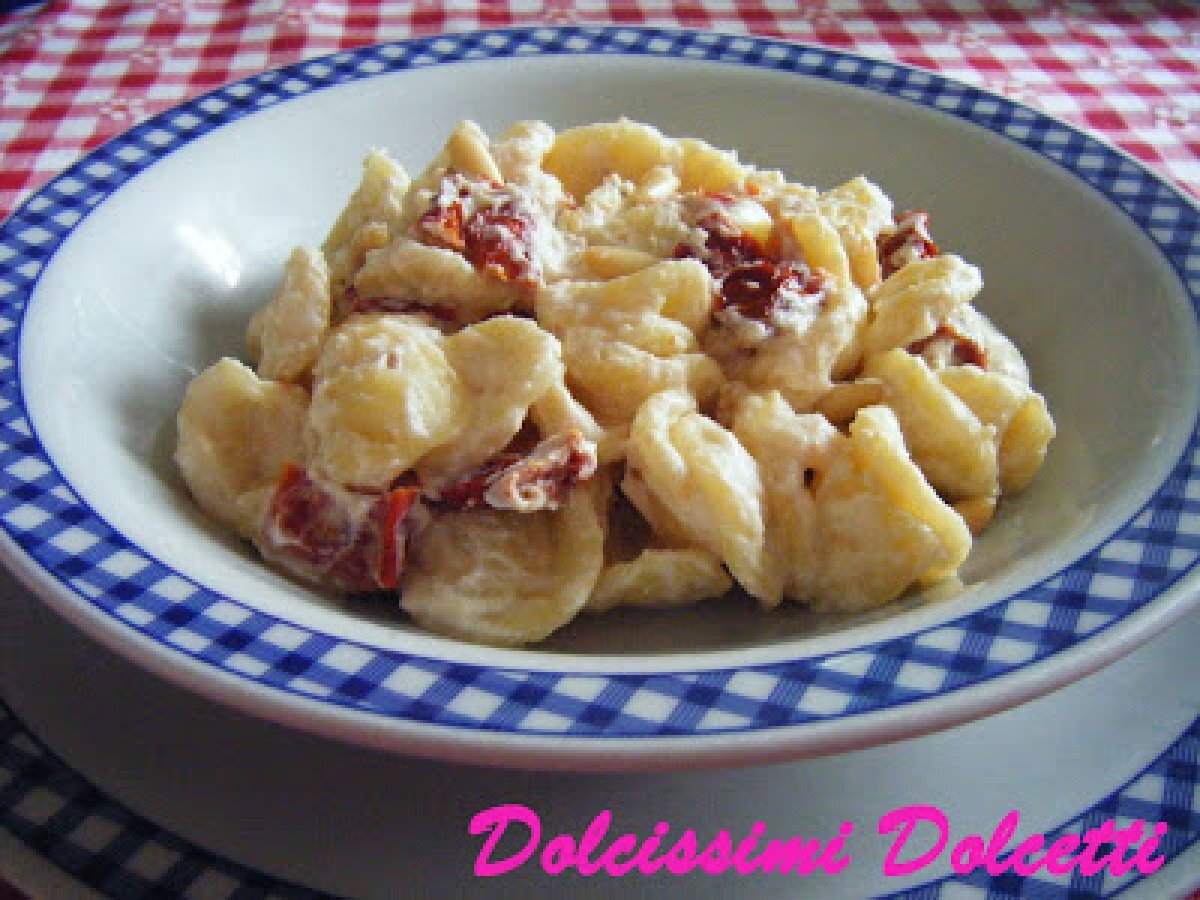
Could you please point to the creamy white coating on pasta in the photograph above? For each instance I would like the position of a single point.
(574, 370)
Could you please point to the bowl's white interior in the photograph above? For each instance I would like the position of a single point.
(160, 280)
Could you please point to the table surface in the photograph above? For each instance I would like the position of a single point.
(77, 72)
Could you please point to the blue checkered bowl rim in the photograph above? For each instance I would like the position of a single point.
(1116, 580)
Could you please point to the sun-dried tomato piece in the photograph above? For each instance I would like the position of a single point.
(964, 350)
(444, 225)
(542, 479)
(908, 242)
(761, 290)
(386, 536)
(497, 242)
(321, 531)
(483, 223)
(309, 525)
(726, 246)
(750, 289)
(468, 492)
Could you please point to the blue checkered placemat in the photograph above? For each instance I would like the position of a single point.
(100, 842)
(56, 528)
(121, 855)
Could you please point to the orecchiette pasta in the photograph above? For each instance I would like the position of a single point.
(882, 527)
(379, 197)
(286, 334)
(506, 577)
(956, 452)
(910, 304)
(384, 395)
(793, 452)
(615, 379)
(582, 157)
(660, 577)
(236, 431)
(860, 212)
(504, 366)
(710, 483)
(432, 278)
(604, 367)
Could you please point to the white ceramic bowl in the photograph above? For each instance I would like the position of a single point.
(141, 265)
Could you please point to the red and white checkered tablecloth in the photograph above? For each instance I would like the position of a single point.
(75, 72)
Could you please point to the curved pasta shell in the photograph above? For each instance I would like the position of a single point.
(377, 198)
(383, 396)
(370, 219)
(708, 169)
(819, 244)
(504, 365)
(1015, 410)
(506, 577)
(235, 433)
(793, 452)
(680, 291)
(619, 214)
(613, 379)
(519, 152)
(711, 485)
(468, 153)
(288, 331)
(1024, 443)
(955, 451)
(877, 444)
(859, 211)
(583, 156)
(433, 276)
(660, 577)
(912, 302)
(881, 525)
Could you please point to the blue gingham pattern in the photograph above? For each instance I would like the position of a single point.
(1164, 791)
(123, 856)
(104, 845)
(56, 528)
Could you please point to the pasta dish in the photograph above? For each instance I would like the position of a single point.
(562, 372)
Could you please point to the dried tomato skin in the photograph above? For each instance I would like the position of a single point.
(749, 279)
(914, 234)
(444, 226)
(540, 479)
(486, 238)
(485, 246)
(467, 492)
(750, 289)
(313, 533)
(967, 351)
(300, 508)
(387, 517)
(725, 247)
(754, 290)
(544, 479)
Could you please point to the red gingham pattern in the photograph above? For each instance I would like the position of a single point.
(76, 72)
